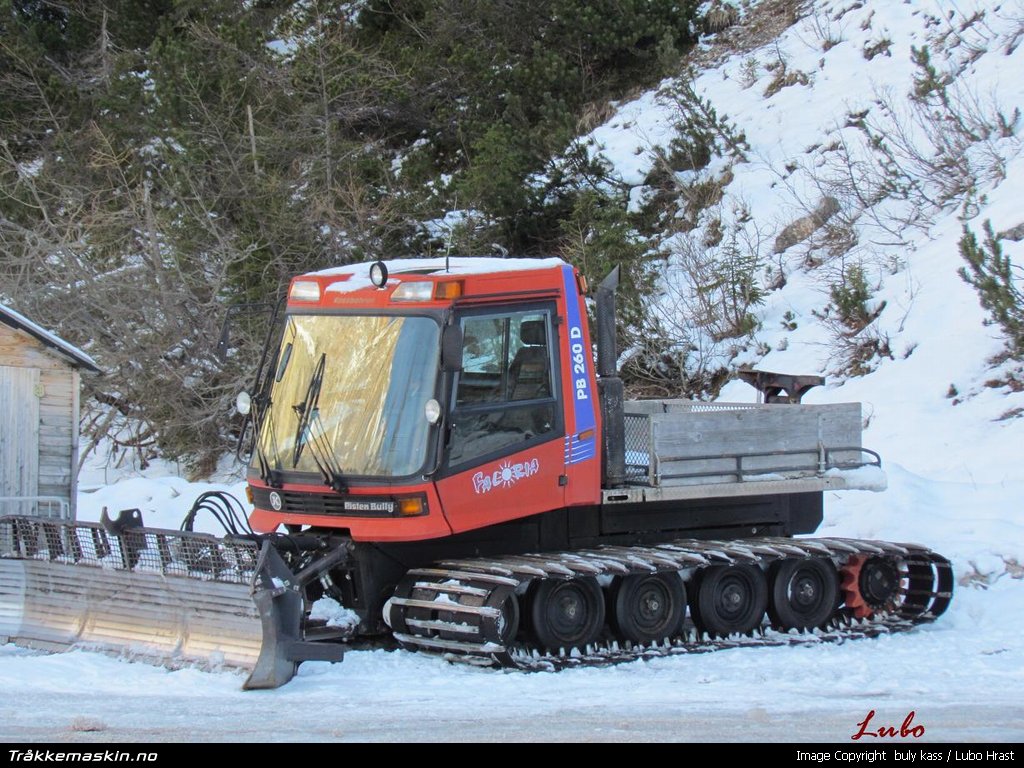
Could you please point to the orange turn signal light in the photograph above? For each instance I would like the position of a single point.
(410, 507)
(448, 289)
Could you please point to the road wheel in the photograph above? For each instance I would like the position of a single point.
(567, 614)
(804, 592)
(648, 607)
(729, 599)
(506, 626)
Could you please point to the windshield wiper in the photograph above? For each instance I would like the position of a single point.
(262, 412)
(309, 413)
(320, 448)
(307, 407)
(270, 476)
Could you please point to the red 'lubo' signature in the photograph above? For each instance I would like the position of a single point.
(889, 731)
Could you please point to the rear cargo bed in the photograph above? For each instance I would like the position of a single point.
(680, 449)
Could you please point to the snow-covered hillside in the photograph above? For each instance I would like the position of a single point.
(945, 418)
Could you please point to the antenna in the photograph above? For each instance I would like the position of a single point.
(448, 240)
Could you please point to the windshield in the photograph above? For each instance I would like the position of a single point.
(349, 394)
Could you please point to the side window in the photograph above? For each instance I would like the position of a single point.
(505, 394)
(529, 370)
(483, 360)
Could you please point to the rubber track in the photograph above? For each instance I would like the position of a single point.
(455, 607)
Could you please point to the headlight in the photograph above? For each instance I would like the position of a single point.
(414, 291)
(305, 290)
(379, 274)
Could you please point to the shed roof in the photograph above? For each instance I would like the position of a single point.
(78, 358)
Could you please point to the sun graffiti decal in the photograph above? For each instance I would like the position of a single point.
(505, 476)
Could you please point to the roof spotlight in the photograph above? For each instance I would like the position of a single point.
(379, 274)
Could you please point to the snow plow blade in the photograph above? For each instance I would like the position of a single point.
(166, 597)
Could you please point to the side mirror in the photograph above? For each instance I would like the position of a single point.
(451, 348)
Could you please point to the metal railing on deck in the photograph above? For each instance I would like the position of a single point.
(646, 465)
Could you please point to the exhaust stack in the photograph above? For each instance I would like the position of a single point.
(609, 386)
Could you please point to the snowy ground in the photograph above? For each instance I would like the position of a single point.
(963, 677)
(954, 467)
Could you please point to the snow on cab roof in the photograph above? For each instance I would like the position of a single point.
(18, 321)
(455, 265)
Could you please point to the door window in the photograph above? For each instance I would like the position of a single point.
(505, 395)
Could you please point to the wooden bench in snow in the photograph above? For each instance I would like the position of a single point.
(680, 449)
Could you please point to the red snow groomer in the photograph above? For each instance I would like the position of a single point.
(435, 451)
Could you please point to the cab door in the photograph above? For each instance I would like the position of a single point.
(504, 447)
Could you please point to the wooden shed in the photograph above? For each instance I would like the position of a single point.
(39, 407)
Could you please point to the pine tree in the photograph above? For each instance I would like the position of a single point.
(997, 280)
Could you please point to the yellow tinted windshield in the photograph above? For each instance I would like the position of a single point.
(349, 393)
